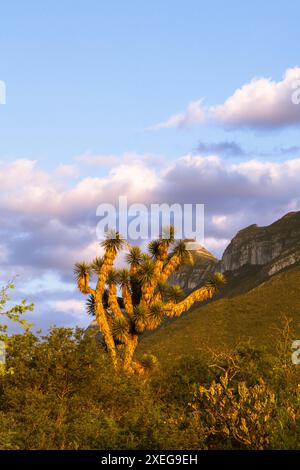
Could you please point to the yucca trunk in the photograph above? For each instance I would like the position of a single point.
(133, 269)
(101, 315)
(113, 301)
(108, 260)
(130, 347)
(127, 300)
(158, 267)
(147, 291)
(172, 265)
(204, 293)
(83, 283)
(105, 328)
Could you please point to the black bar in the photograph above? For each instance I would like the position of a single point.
(136, 459)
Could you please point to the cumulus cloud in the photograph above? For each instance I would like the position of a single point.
(111, 161)
(262, 103)
(46, 226)
(73, 306)
(67, 171)
(194, 114)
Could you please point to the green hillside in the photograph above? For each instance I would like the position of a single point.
(222, 324)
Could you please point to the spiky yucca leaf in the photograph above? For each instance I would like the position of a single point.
(155, 315)
(168, 233)
(134, 258)
(82, 273)
(149, 361)
(124, 278)
(174, 294)
(145, 257)
(146, 271)
(113, 277)
(162, 289)
(216, 281)
(181, 250)
(120, 329)
(90, 305)
(96, 265)
(139, 318)
(153, 248)
(81, 270)
(113, 241)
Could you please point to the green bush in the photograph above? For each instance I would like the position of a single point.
(64, 394)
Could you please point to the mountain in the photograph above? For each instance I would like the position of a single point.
(253, 255)
(275, 246)
(262, 268)
(253, 316)
(190, 276)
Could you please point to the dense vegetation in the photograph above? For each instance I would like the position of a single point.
(219, 378)
(65, 394)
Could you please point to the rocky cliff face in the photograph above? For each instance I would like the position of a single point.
(266, 250)
(275, 246)
(191, 276)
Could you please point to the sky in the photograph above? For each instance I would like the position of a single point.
(164, 101)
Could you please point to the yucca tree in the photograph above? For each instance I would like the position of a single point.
(146, 277)
(112, 281)
(125, 284)
(112, 245)
(101, 268)
(82, 272)
(178, 256)
(147, 298)
(96, 265)
(154, 248)
(158, 250)
(134, 259)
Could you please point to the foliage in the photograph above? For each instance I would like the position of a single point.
(146, 298)
(13, 314)
(240, 414)
(65, 394)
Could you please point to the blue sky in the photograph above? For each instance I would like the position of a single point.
(92, 75)
(170, 101)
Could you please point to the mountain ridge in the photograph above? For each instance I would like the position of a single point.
(260, 251)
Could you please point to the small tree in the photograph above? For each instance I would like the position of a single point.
(146, 297)
(12, 314)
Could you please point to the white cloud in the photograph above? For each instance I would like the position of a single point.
(108, 161)
(194, 114)
(67, 171)
(45, 227)
(216, 245)
(219, 220)
(74, 307)
(262, 103)
(112, 161)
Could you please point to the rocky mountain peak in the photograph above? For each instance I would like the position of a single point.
(277, 245)
(190, 276)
